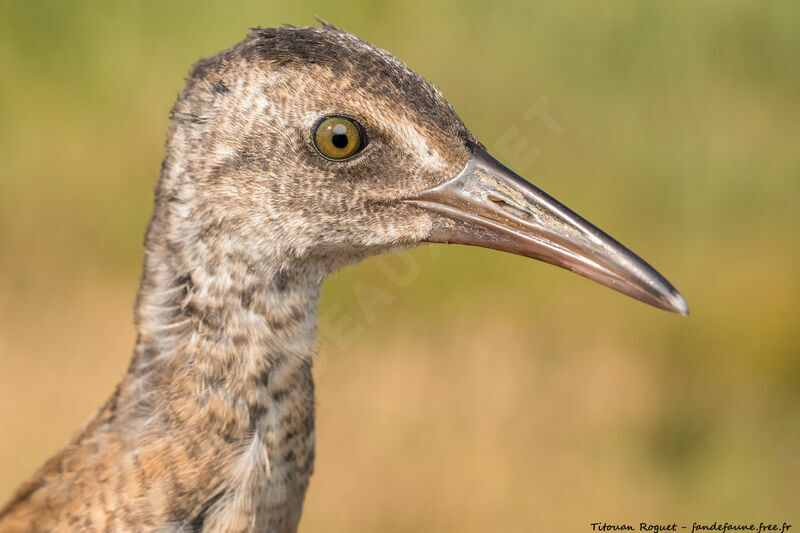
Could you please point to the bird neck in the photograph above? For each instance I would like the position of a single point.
(223, 364)
(232, 314)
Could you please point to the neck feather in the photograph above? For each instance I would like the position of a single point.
(222, 367)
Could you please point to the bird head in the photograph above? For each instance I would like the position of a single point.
(309, 146)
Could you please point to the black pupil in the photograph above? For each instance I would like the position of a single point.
(339, 140)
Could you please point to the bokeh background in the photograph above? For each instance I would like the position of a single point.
(459, 389)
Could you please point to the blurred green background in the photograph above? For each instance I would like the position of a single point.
(483, 391)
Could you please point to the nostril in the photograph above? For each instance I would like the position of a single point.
(508, 207)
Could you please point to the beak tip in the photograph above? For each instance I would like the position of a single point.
(678, 304)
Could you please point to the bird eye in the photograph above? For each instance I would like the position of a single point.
(338, 137)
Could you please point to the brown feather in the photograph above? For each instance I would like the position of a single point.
(212, 427)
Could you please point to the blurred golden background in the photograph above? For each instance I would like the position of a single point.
(458, 389)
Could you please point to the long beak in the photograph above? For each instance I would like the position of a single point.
(488, 205)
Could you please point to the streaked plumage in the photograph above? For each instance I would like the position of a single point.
(212, 428)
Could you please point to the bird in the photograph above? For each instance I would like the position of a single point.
(291, 154)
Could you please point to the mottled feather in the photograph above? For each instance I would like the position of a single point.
(212, 427)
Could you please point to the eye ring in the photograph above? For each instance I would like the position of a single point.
(338, 138)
